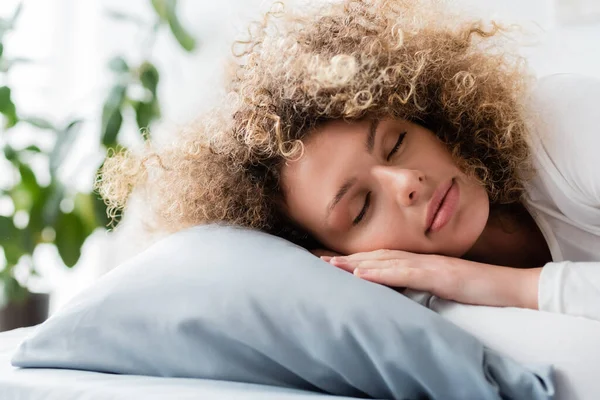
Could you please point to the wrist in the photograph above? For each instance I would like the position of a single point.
(529, 284)
(502, 286)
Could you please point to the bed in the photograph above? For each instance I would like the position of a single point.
(157, 316)
(570, 344)
(55, 384)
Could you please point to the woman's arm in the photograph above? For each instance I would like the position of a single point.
(567, 287)
(446, 277)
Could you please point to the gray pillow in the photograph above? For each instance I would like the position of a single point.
(232, 304)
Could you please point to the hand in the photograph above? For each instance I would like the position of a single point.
(446, 277)
(325, 253)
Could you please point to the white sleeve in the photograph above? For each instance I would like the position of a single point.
(569, 105)
(572, 288)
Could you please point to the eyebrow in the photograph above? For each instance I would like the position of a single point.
(370, 143)
(347, 185)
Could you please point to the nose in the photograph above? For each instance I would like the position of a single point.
(406, 185)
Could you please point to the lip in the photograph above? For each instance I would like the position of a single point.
(436, 204)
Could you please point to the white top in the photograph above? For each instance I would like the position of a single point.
(564, 197)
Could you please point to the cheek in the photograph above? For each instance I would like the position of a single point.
(383, 233)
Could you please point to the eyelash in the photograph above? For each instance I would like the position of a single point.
(363, 211)
(396, 146)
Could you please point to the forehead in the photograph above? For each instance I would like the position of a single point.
(325, 148)
(339, 133)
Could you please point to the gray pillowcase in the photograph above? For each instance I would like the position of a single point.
(232, 304)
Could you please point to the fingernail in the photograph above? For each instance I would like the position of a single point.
(326, 258)
(338, 259)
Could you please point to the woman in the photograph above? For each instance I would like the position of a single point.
(400, 135)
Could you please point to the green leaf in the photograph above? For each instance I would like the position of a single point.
(29, 239)
(64, 141)
(73, 124)
(118, 65)
(33, 148)
(7, 107)
(70, 236)
(112, 118)
(25, 192)
(149, 76)
(11, 154)
(13, 252)
(28, 177)
(7, 229)
(1, 49)
(84, 208)
(36, 219)
(160, 6)
(145, 113)
(46, 207)
(39, 123)
(43, 213)
(166, 11)
(5, 100)
(181, 34)
(21, 198)
(13, 291)
(10, 240)
(112, 121)
(121, 16)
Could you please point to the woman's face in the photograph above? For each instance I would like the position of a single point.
(368, 185)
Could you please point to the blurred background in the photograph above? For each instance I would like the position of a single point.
(79, 78)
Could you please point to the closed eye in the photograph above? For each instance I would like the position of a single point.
(396, 146)
(362, 213)
(365, 208)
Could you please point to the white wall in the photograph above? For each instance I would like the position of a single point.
(72, 38)
(568, 31)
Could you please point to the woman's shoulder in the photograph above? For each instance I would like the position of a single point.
(564, 110)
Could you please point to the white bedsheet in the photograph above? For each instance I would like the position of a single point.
(54, 384)
(570, 344)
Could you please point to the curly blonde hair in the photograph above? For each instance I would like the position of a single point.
(415, 60)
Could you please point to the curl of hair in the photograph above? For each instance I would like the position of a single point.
(408, 59)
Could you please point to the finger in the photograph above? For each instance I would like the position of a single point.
(383, 254)
(345, 267)
(388, 277)
(395, 277)
(324, 252)
(367, 264)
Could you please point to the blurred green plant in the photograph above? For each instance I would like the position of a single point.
(55, 213)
